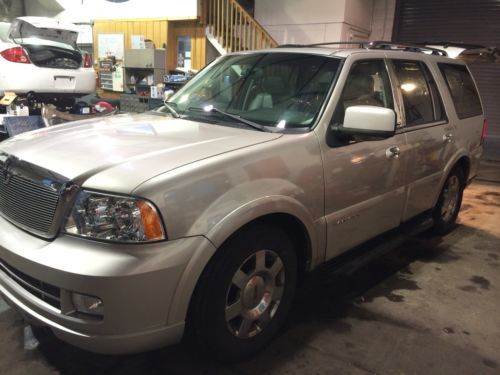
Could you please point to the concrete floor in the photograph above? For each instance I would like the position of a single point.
(431, 306)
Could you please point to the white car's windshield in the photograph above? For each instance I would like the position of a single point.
(282, 90)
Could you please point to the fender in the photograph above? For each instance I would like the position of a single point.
(261, 207)
(230, 224)
(461, 152)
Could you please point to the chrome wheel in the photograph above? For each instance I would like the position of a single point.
(451, 195)
(254, 295)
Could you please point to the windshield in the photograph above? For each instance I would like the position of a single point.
(283, 90)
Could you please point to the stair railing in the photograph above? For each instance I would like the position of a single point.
(234, 28)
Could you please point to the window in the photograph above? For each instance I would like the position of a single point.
(462, 89)
(283, 90)
(184, 52)
(367, 84)
(421, 100)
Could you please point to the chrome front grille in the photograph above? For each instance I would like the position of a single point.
(29, 202)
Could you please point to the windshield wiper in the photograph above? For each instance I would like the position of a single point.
(241, 120)
(171, 110)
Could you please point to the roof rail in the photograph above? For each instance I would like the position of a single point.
(360, 44)
(446, 44)
(379, 44)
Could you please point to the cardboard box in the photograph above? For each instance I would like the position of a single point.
(8, 98)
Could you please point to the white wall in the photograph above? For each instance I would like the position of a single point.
(383, 19)
(315, 21)
(87, 10)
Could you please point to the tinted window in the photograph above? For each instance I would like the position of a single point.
(416, 92)
(462, 89)
(367, 84)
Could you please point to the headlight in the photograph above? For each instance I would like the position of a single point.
(114, 218)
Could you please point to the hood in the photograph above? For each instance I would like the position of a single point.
(119, 153)
(47, 29)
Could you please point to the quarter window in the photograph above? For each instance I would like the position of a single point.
(462, 89)
(421, 100)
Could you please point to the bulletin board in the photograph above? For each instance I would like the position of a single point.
(111, 44)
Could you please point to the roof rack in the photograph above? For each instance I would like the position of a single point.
(446, 44)
(360, 44)
(379, 44)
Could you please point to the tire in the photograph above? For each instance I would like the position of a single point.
(244, 295)
(450, 200)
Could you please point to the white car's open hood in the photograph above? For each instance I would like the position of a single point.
(44, 28)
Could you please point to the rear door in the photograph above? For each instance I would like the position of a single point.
(364, 179)
(429, 134)
(467, 111)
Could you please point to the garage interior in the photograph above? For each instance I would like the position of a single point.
(422, 305)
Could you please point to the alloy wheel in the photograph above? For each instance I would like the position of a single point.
(254, 295)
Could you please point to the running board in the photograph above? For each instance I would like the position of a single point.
(351, 261)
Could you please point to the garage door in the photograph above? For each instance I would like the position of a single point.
(466, 21)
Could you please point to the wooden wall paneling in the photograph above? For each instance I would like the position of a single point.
(198, 43)
(156, 30)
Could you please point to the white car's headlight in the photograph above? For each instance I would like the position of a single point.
(114, 218)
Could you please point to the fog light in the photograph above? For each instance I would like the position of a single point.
(87, 304)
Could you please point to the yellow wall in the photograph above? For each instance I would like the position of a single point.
(198, 43)
(156, 30)
(162, 32)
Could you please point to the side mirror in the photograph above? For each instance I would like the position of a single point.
(368, 121)
(167, 94)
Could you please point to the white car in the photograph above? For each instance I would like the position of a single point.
(39, 58)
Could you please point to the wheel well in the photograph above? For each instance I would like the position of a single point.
(296, 231)
(464, 164)
(292, 227)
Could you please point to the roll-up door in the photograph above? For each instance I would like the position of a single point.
(465, 21)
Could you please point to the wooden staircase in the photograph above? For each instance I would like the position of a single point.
(233, 27)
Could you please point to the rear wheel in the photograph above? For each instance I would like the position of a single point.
(245, 293)
(448, 206)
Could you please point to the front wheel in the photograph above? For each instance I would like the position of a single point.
(245, 293)
(448, 206)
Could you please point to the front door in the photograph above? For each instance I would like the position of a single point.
(364, 179)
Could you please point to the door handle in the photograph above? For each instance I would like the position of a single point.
(392, 152)
(448, 137)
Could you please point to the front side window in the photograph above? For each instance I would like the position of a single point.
(367, 84)
(283, 90)
(462, 89)
(417, 93)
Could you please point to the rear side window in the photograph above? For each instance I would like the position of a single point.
(462, 89)
(421, 100)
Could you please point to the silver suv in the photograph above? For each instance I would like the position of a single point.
(120, 233)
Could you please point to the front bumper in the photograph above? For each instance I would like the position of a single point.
(138, 285)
